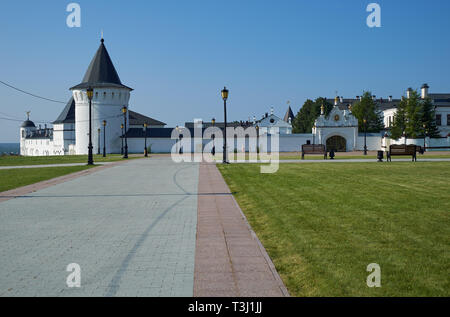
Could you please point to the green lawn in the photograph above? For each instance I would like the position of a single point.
(322, 224)
(18, 177)
(7, 160)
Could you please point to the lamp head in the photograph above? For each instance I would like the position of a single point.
(104, 123)
(121, 126)
(90, 93)
(124, 109)
(225, 93)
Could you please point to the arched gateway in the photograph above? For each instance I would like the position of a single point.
(336, 143)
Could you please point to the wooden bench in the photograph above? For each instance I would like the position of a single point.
(402, 150)
(314, 149)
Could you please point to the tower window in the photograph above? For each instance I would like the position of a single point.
(112, 95)
(104, 95)
(96, 94)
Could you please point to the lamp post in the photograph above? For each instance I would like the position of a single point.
(257, 139)
(90, 95)
(314, 135)
(145, 137)
(104, 138)
(124, 111)
(225, 97)
(424, 136)
(98, 150)
(365, 136)
(121, 149)
(213, 151)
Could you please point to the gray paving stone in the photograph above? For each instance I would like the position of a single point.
(131, 228)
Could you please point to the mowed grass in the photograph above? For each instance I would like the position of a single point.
(7, 160)
(322, 224)
(18, 177)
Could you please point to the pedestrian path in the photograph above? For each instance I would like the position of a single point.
(130, 227)
(229, 259)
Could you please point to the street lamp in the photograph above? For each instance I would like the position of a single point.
(124, 111)
(257, 139)
(145, 144)
(424, 136)
(104, 138)
(98, 150)
(121, 149)
(314, 135)
(365, 136)
(90, 95)
(225, 97)
(213, 151)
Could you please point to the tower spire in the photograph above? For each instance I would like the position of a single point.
(102, 40)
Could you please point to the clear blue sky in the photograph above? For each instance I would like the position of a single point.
(177, 55)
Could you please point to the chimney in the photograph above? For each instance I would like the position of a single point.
(390, 98)
(342, 99)
(424, 90)
(271, 110)
(267, 114)
(408, 92)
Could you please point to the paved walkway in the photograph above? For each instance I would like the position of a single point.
(131, 228)
(229, 260)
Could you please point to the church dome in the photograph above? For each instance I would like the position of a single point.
(28, 124)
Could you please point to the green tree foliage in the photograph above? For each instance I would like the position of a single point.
(366, 108)
(429, 119)
(411, 116)
(308, 113)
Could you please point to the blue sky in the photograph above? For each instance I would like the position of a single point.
(177, 55)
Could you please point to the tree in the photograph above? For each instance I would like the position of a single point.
(366, 109)
(411, 116)
(429, 119)
(308, 113)
(400, 118)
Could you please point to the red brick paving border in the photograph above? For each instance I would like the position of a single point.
(230, 260)
(21, 191)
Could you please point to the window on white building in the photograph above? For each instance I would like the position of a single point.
(438, 119)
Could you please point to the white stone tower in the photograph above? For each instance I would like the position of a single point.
(110, 96)
(26, 130)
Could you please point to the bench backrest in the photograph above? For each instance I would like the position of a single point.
(320, 148)
(401, 148)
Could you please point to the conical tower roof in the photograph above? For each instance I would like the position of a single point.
(289, 114)
(101, 72)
